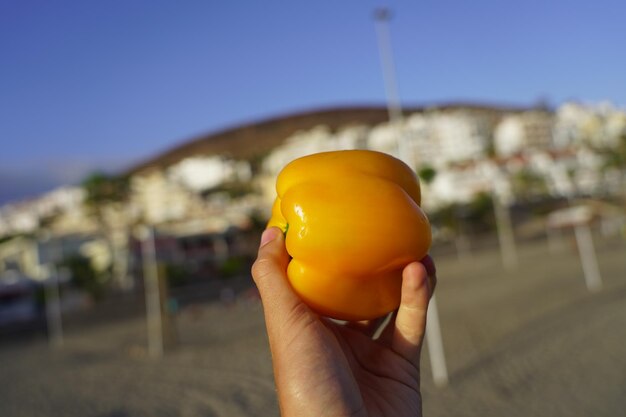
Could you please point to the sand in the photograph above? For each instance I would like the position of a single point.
(533, 341)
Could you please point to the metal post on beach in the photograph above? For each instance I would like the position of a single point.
(53, 309)
(52, 293)
(152, 293)
(588, 258)
(435, 344)
(506, 236)
(579, 219)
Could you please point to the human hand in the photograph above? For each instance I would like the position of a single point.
(323, 368)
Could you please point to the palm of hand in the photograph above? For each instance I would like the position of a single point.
(346, 371)
(389, 385)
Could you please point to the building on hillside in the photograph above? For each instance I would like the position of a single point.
(599, 126)
(34, 258)
(318, 139)
(519, 132)
(157, 198)
(441, 138)
(202, 173)
(27, 216)
(461, 182)
(17, 218)
(433, 138)
(384, 137)
(615, 128)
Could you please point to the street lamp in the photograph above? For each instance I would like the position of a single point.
(381, 18)
(433, 327)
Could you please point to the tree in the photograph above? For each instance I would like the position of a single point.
(102, 189)
(615, 159)
(106, 197)
(427, 174)
(528, 184)
(84, 276)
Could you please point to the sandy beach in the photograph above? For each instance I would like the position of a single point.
(533, 341)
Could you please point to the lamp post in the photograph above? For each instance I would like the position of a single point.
(381, 19)
(50, 273)
(433, 328)
(152, 292)
(53, 309)
(506, 235)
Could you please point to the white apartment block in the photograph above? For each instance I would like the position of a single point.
(441, 138)
(158, 199)
(201, 173)
(318, 139)
(519, 132)
(27, 216)
(599, 125)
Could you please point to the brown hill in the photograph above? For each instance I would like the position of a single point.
(253, 140)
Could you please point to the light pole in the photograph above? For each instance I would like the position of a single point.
(152, 292)
(381, 19)
(506, 235)
(54, 254)
(433, 328)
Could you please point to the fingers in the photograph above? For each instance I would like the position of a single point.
(270, 275)
(270, 268)
(410, 323)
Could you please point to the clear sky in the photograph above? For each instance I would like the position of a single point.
(87, 84)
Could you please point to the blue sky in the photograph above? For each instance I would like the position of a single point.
(87, 84)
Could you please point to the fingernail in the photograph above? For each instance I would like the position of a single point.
(269, 235)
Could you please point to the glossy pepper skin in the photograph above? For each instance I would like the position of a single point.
(352, 221)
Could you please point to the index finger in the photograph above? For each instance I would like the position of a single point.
(280, 302)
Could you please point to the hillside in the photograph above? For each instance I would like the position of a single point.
(252, 140)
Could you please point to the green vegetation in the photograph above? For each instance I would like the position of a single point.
(104, 188)
(616, 158)
(427, 174)
(475, 216)
(177, 275)
(232, 267)
(528, 185)
(84, 276)
(234, 190)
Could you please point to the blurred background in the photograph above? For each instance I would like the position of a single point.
(140, 146)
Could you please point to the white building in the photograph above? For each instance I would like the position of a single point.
(600, 125)
(158, 199)
(27, 216)
(460, 183)
(519, 132)
(318, 139)
(440, 138)
(205, 172)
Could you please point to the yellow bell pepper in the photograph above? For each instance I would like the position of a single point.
(352, 221)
